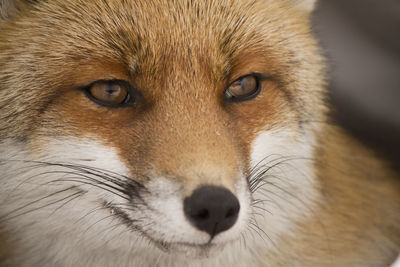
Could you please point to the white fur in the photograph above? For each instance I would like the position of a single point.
(290, 188)
(80, 232)
(63, 231)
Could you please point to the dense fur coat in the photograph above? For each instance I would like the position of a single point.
(86, 184)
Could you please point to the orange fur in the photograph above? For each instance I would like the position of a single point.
(181, 56)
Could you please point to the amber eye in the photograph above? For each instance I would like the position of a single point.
(111, 93)
(244, 88)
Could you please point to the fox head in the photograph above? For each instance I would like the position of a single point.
(156, 129)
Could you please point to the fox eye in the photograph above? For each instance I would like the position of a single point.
(244, 88)
(112, 93)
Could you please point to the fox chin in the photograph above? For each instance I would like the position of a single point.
(180, 133)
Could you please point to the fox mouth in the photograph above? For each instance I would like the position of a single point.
(190, 249)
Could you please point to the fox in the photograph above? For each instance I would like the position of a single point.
(180, 133)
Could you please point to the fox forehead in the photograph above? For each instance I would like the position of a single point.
(163, 37)
(181, 55)
(208, 43)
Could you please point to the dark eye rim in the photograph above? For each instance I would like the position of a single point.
(259, 78)
(130, 100)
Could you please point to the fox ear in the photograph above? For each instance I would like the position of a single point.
(304, 5)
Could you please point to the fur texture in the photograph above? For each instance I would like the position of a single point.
(89, 185)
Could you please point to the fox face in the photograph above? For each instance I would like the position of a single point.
(139, 133)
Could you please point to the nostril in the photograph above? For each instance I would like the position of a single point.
(212, 209)
(231, 212)
(202, 214)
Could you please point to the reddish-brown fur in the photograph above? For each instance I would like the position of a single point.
(181, 63)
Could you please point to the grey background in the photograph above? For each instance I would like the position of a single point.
(361, 39)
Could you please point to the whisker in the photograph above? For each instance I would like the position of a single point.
(37, 200)
(93, 224)
(263, 209)
(90, 212)
(78, 194)
(257, 229)
(38, 208)
(77, 180)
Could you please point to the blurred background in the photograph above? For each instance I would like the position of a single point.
(361, 39)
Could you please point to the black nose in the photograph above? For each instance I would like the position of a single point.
(212, 209)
